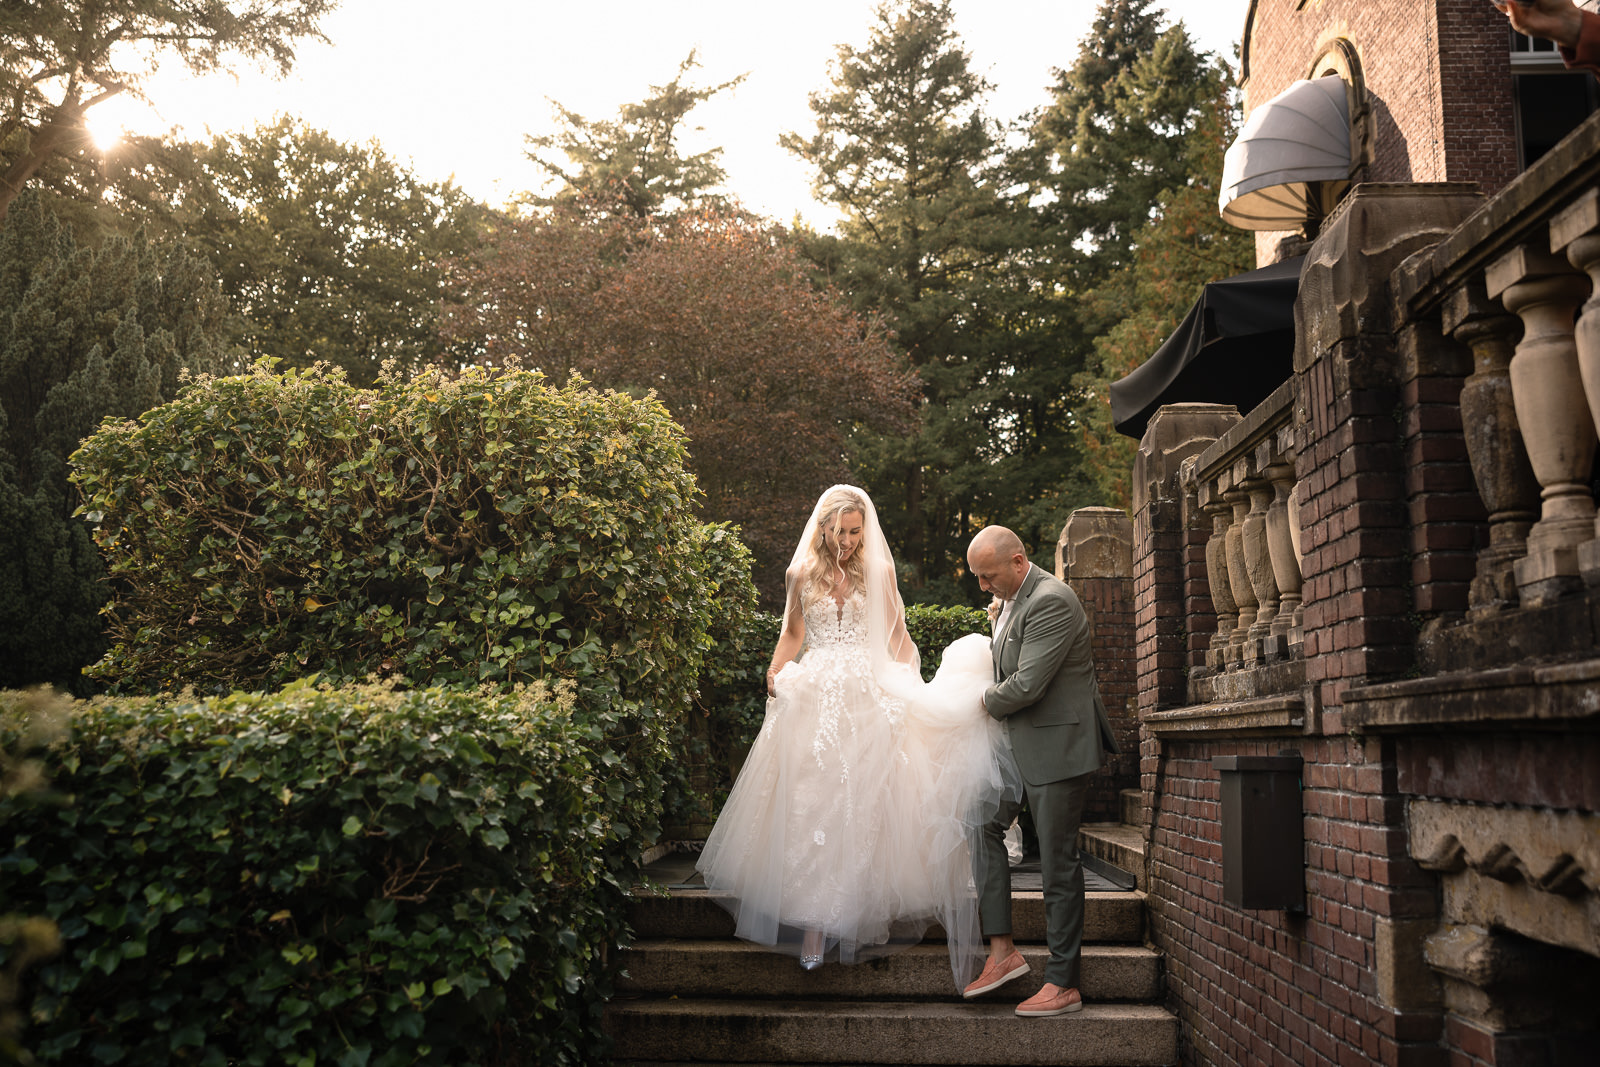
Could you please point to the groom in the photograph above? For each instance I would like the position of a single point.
(1046, 697)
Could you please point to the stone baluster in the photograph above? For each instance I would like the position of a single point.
(1244, 595)
(1285, 560)
(1576, 231)
(1544, 292)
(1221, 514)
(1500, 467)
(1258, 558)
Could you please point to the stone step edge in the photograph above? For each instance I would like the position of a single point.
(1118, 844)
(1112, 917)
(889, 1032)
(695, 970)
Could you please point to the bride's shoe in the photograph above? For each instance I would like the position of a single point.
(811, 950)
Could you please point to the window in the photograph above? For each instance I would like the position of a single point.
(1551, 100)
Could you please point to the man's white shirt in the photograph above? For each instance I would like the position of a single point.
(1007, 605)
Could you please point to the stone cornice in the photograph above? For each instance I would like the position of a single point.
(1557, 695)
(1274, 716)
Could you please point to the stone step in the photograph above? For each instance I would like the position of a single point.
(897, 1032)
(1118, 844)
(735, 969)
(693, 913)
(1132, 813)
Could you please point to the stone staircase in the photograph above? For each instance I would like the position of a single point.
(693, 993)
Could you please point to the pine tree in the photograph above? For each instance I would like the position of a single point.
(85, 333)
(1185, 245)
(928, 233)
(635, 163)
(1114, 134)
(1122, 163)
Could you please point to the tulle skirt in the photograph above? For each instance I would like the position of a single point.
(856, 811)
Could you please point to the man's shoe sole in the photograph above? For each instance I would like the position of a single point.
(1016, 972)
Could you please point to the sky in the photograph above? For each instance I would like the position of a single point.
(451, 89)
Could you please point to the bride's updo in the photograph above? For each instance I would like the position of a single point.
(822, 563)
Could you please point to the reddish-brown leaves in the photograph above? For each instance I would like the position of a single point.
(768, 374)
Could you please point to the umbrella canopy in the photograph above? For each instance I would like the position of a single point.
(1235, 346)
(1290, 147)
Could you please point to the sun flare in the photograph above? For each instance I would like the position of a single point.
(105, 131)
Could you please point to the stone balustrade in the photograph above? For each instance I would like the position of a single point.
(1508, 284)
(1244, 483)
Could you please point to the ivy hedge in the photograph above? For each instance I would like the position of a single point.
(420, 853)
(435, 530)
(352, 876)
(487, 528)
(934, 628)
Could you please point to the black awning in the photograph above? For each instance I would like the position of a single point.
(1235, 346)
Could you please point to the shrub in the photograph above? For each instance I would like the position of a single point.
(486, 529)
(355, 876)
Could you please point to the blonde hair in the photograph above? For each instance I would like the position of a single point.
(822, 566)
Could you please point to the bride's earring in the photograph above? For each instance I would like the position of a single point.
(811, 950)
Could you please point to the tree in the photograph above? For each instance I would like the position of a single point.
(769, 375)
(60, 58)
(634, 163)
(330, 251)
(1116, 160)
(85, 333)
(929, 238)
(1185, 245)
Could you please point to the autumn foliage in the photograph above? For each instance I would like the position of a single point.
(769, 375)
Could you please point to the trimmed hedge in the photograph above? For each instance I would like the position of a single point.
(354, 877)
(934, 628)
(434, 530)
(490, 528)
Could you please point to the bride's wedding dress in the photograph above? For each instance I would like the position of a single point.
(853, 813)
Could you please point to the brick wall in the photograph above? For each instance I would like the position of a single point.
(1095, 556)
(1109, 604)
(1279, 988)
(1447, 517)
(1173, 614)
(1387, 535)
(1442, 104)
(1353, 537)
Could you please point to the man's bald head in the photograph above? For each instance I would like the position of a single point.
(997, 558)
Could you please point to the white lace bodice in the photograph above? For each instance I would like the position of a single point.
(830, 624)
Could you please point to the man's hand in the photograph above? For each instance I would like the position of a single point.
(1556, 20)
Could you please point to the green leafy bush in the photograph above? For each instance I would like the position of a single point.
(486, 529)
(356, 876)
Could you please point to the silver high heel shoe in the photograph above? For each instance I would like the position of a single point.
(812, 960)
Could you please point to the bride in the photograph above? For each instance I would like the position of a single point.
(847, 832)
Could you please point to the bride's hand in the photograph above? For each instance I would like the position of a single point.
(772, 680)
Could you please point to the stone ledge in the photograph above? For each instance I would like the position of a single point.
(1268, 716)
(1568, 629)
(1557, 695)
(1519, 212)
(1278, 679)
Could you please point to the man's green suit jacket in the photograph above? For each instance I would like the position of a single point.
(1045, 692)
